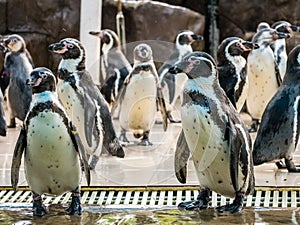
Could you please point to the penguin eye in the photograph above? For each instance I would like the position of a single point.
(43, 75)
(70, 46)
(14, 40)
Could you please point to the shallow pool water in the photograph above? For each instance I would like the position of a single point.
(22, 215)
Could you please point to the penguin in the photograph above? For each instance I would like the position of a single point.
(278, 133)
(215, 136)
(114, 65)
(18, 64)
(3, 126)
(83, 101)
(139, 96)
(172, 86)
(279, 45)
(4, 76)
(232, 69)
(263, 75)
(53, 152)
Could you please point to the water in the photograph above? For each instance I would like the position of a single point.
(22, 215)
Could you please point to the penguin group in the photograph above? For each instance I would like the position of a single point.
(68, 125)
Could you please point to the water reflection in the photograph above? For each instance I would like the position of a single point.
(108, 216)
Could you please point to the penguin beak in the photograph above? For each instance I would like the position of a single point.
(248, 46)
(280, 35)
(179, 67)
(95, 33)
(34, 79)
(196, 37)
(295, 28)
(59, 48)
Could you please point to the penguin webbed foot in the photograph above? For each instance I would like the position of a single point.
(38, 208)
(199, 204)
(145, 142)
(291, 167)
(145, 139)
(171, 118)
(235, 206)
(75, 206)
(123, 138)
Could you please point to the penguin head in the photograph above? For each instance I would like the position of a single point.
(71, 51)
(285, 27)
(108, 38)
(293, 66)
(142, 53)
(196, 64)
(186, 37)
(233, 46)
(262, 25)
(15, 43)
(268, 35)
(41, 79)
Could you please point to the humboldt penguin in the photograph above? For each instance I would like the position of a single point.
(3, 126)
(18, 64)
(83, 101)
(172, 85)
(279, 46)
(232, 68)
(263, 75)
(215, 136)
(114, 65)
(139, 97)
(278, 134)
(53, 152)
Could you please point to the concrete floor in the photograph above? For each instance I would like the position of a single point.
(144, 166)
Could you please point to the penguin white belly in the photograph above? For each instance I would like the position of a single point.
(138, 107)
(75, 109)
(262, 82)
(242, 98)
(211, 158)
(51, 161)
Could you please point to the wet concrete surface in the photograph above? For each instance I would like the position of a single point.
(145, 166)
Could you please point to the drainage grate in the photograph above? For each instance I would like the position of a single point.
(157, 197)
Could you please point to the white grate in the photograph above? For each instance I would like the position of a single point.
(158, 197)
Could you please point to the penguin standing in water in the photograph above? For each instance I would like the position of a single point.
(278, 134)
(139, 96)
(263, 75)
(232, 68)
(18, 64)
(215, 136)
(172, 85)
(83, 101)
(3, 126)
(279, 46)
(53, 151)
(114, 65)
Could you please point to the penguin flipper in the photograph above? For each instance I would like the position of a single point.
(81, 151)
(182, 154)
(234, 155)
(162, 107)
(17, 157)
(89, 118)
(121, 95)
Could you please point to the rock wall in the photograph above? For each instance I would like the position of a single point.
(43, 22)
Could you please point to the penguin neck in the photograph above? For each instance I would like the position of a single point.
(42, 97)
(72, 65)
(238, 61)
(183, 50)
(201, 84)
(279, 44)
